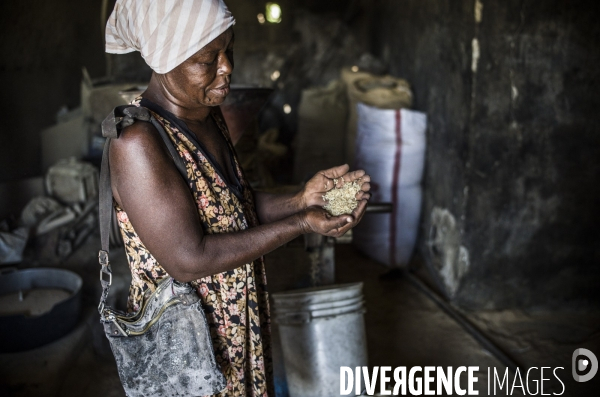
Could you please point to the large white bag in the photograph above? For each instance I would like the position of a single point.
(390, 147)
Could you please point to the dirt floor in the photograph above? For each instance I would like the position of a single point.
(404, 328)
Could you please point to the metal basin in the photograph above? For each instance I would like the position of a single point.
(19, 332)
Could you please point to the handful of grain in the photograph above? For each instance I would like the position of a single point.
(343, 200)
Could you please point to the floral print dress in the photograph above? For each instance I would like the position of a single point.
(235, 301)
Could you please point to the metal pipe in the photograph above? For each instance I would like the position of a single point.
(379, 208)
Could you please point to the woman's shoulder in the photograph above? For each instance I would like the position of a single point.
(139, 157)
(139, 152)
(141, 136)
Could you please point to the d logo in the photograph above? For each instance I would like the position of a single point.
(580, 364)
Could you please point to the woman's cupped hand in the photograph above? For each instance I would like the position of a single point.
(315, 219)
(336, 177)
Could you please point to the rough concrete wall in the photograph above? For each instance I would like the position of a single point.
(43, 48)
(510, 88)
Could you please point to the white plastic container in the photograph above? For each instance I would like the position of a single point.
(71, 181)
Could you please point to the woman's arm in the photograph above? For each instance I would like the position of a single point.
(161, 208)
(272, 207)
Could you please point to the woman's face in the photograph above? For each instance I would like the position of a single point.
(203, 79)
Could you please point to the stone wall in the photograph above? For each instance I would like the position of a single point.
(510, 89)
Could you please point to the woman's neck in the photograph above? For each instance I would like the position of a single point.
(190, 113)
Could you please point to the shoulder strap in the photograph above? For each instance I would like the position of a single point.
(113, 124)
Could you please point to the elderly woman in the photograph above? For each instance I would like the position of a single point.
(208, 228)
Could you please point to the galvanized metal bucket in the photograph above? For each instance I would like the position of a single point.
(322, 329)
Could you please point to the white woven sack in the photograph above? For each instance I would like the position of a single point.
(390, 147)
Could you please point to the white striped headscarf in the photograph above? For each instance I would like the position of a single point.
(165, 32)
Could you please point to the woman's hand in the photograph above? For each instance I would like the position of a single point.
(323, 181)
(272, 207)
(317, 220)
